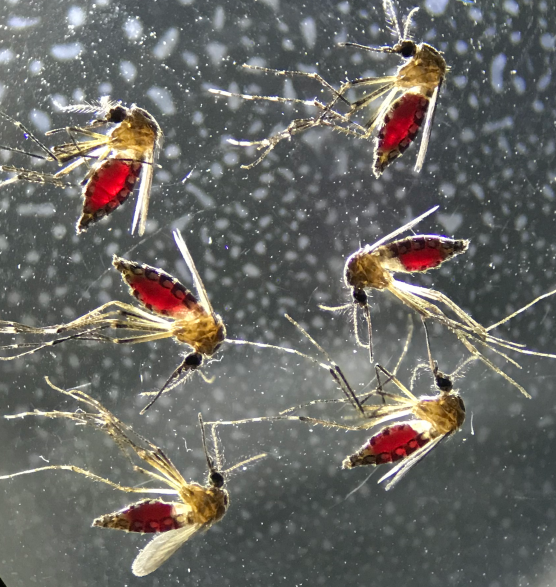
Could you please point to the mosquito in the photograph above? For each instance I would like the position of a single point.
(119, 159)
(173, 523)
(169, 310)
(372, 267)
(410, 98)
(433, 418)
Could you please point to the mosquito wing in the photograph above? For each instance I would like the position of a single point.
(402, 468)
(142, 206)
(161, 548)
(427, 130)
(405, 227)
(68, 151)
(199, 287)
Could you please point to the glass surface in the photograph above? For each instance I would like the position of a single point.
(480, 509)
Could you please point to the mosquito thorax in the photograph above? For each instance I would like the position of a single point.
(364, 270)
(445, 412)
(425, 69)
(149, 118)
(137, 132)
(205, 335)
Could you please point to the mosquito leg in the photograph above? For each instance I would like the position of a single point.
(476, 353)
(28, 133)
(406, 345)
(81, 472)
(32, 177)
(295, 73)
(306, 419)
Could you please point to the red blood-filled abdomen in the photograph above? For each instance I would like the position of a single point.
(146, 516)
(391, 444)
(157, 290)
(109, 187)
(420, 253)
(400, 127)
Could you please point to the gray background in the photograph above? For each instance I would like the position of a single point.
(481, 508)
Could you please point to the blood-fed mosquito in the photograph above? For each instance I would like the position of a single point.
(117, 160)
(410, 98)
(172, 523)
(372, 267)
(169, 310)
(433, 418)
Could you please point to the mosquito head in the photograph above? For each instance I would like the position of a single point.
(193, 360)
(443, 382)
(116, 114)
(216, 479)
(360, 296)
(405, 48)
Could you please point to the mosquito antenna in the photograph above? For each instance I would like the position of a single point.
(218, 453)
(408, 24)
(245, 462)
(210, 464)
(385, 49)
(367, 312)
(391, 18)
(443, 382)
(335, 308)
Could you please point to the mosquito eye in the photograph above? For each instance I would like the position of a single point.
(216, 479)
(116, 115)
(407, 49)
(444, 383)
(194, 360)
(359, 296)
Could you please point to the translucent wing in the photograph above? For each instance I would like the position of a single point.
(427, 130)
(405, 227)
(142, 206)
(161, 548)
(199, 287)
(402, 468)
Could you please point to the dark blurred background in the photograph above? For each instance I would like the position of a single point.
(481, 509)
